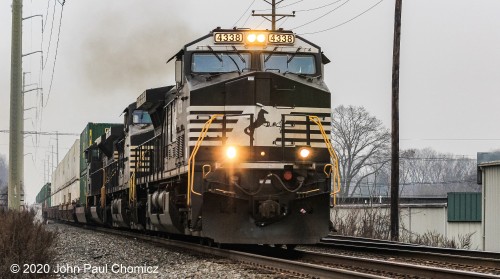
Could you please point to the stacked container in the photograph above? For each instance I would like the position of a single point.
(91, 132)
(43, 196)
(66, 178)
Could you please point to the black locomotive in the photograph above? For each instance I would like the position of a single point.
(237, 151)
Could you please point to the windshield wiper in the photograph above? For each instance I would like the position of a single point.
(239, 54)
(214, 53)
(270, 54)
(293, 73)
(212, 75)
(293, 55)
(236, 64)
(228, 55)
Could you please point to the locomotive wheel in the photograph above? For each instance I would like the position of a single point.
(209, 242)
(291, 247)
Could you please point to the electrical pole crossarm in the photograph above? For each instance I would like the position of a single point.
(26, 91)
(273, 14)
(28, 17)
(31, 53)
(282, 15)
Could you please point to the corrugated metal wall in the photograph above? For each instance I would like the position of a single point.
(457, 229)
(464, 207)
(420, 219)
(491, 208)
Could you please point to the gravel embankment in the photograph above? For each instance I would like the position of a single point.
(99, 255)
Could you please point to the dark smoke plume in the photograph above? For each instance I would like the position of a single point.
(119, 54)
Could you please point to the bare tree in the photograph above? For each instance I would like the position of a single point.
(362, 144)
(428, 172)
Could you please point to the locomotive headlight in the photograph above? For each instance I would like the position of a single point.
(304, 152)
(261, 38)
(231, 152)
(251, 38)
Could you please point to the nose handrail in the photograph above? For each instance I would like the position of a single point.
(334, 157)
(191, 161)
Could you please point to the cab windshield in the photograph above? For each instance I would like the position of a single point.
(289, 63)
(141, 117)
(219, 62)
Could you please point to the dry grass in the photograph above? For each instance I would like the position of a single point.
(373, 223)
(23, 240)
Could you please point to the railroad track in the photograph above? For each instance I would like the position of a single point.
(304, 264)
(444, 255)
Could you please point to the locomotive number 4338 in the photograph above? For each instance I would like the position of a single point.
(228, 37)
(281, 38)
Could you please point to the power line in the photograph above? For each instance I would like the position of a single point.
(283, 22)
(55, 56)
(320, 17)
(259, 24)
(50, 37)
(244, 13)
(43, 133)
(317, 8)
(246, 20)
(46, 15)
(261, 10)
(338, 25)
(455, 139)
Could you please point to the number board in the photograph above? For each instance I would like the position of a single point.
(280, 38)
(228, 37)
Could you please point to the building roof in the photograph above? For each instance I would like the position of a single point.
(489, 164)
(488, 158)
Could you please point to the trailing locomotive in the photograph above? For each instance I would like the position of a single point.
(235, 152)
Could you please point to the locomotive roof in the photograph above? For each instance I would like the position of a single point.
(300, 43)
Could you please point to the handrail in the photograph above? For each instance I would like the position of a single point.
(103, 189)
(191, 161)
(333, 155)
(131, 191)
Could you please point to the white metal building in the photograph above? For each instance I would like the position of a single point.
(491, 205)
(420, 219)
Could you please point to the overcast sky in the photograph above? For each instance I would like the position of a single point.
(110, 51)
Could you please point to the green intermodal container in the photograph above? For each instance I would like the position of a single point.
(44, 195)
(91, 132)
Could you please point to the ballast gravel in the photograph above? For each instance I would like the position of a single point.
(89, 254)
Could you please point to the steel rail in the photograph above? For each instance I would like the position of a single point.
(272, 263)
(456, 256)
(302, 263)
(393, 267)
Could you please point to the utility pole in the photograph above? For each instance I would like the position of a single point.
(57, 147)
(48, 169)
(395, 124)
(273, 14)
(16, 139)
(52, 154)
